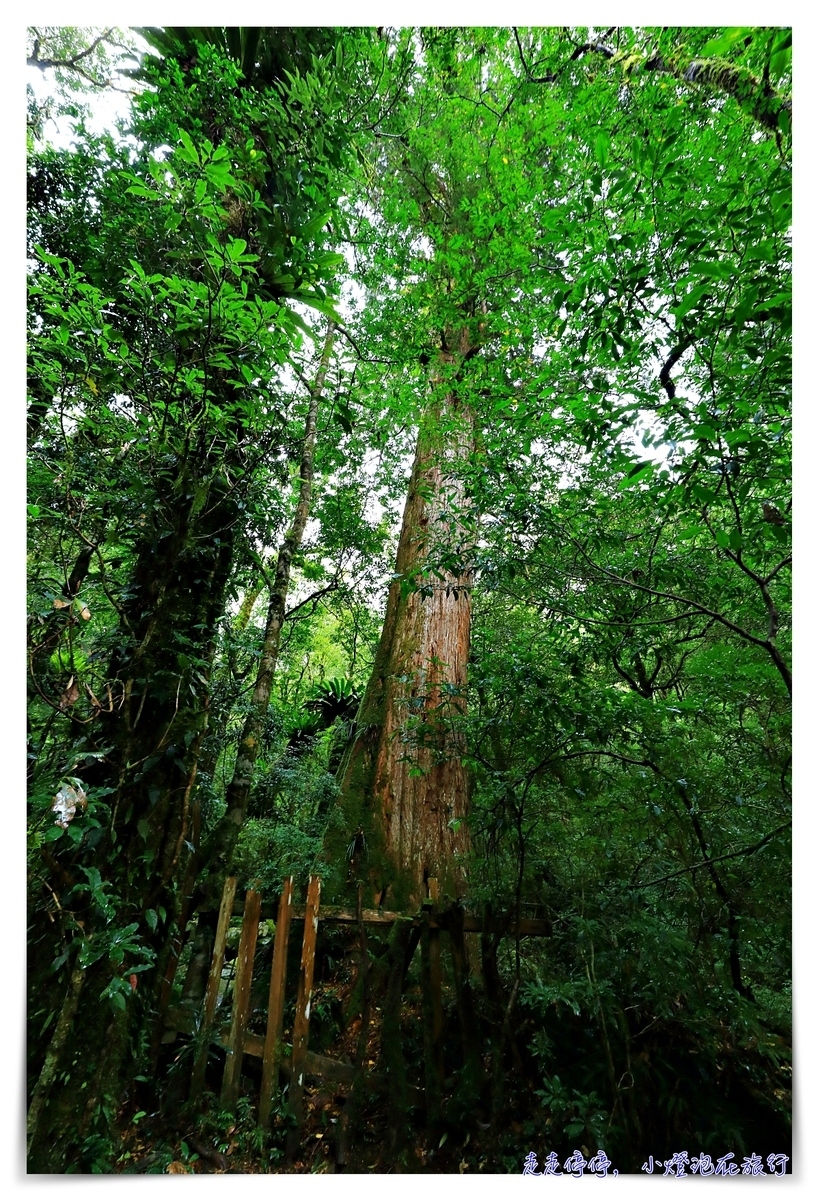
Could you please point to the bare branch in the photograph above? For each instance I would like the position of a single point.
(72, 63)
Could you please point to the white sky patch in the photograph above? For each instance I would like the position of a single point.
(106, 106)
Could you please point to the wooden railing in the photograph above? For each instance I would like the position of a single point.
(297, 1061)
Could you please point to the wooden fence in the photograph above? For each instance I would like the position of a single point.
(297, 1061)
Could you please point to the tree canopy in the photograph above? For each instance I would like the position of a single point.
(409, 499)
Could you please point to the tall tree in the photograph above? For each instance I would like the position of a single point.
(493, 163)
(573, 319)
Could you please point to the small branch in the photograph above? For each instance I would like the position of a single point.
(785, 562)
(721, 858)
(331, 587)
(71, 64)
(364, 357)
(765, 644)
(531, 78)
(44, 63)
(664, 375)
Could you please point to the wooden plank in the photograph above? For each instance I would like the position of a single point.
(275, 1009)
(349, 916)
(472, 922)
(253, 1042)
(320, 1067)
(213, 980)
(241, 1000)
(301, 1024)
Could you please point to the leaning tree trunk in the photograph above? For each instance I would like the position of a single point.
(223, 840)
(403, 787)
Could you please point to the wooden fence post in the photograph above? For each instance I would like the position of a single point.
(275, 1009)
(241, 1000)
(301, 1024)
(212, 992)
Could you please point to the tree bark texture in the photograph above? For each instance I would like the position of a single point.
(404, 793)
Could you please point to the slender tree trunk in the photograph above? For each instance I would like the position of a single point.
(52, 1058)
(404, 793)
(225, 835)
(247, 605)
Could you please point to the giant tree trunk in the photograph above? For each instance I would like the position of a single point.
(404, 792)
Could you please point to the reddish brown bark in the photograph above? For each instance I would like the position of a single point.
(404, 787)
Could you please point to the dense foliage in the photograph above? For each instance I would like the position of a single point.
(304, 246)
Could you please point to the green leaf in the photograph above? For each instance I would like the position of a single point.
(139, 189)
(639, 473)
(187, 150)
(692, 299)
(52, 259)
(720, 45)
(602, 145)
(720, 269)
(308, 232)
(781, 52)
(329, 260)
(319, 303)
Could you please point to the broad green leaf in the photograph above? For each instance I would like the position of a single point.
(313, 227)
(725, 42)
(187, 150)
(639, 473)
